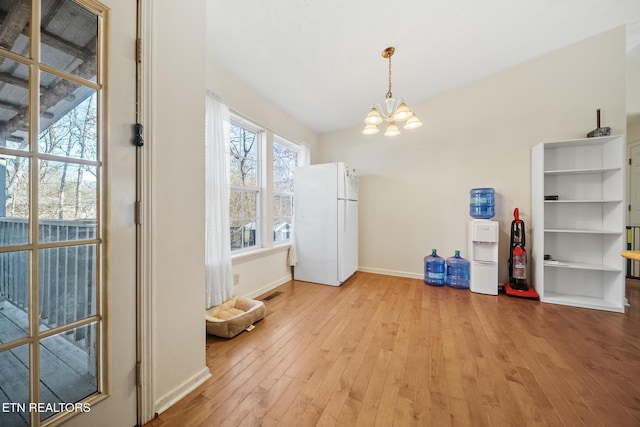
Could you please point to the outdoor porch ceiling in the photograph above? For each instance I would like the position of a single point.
(68, 42)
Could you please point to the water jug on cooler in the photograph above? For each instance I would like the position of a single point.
(482, 203)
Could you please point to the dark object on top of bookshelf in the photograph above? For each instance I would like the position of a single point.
(599, 131)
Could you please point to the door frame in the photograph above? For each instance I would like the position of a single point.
(144, 197)
(629, 187)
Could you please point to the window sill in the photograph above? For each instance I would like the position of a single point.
(253, 254)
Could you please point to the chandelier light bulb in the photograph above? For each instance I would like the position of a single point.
(402, 113)
(370, 129)
(392, 130)
(373, 118)
(413, 122)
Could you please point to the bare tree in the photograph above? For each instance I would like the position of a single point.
(284, 162)
(65, 193)
(243, 156)
(244, 174)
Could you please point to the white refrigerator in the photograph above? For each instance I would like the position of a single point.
(325, 223)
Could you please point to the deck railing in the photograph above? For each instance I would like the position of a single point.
(633, 244)
(67, 274)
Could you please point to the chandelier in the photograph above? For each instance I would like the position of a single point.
(390, 110)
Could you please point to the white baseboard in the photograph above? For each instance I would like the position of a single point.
(284, 279)
(396, 273)
(266, 288)
(181, 391)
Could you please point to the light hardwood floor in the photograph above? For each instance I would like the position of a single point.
(389, 351)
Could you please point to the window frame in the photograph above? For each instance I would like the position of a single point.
(239, 121)
(278, 140)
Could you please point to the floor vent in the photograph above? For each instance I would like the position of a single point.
(272, 296)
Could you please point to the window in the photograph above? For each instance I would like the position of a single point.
(261, 186)
(285, 159)
(244, 207)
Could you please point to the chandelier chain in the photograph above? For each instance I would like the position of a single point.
(389, 94)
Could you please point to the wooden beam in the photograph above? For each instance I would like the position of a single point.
(14, 80)
(66, 46)
(14, 23)
(50, 96)
(11, 105)
(49, 39)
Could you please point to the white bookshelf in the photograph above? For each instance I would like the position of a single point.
(584, 230)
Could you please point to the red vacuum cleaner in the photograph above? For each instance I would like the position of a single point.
(517, 286)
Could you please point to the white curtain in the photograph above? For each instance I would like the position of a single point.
(219, 277)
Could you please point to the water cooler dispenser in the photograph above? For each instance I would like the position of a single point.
(483, 256)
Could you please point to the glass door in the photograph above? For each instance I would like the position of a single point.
(54, 210)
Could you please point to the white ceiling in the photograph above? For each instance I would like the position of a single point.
(321, 61)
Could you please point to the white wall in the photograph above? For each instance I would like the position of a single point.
(414, 188)
(633, 129)
(178, 178)
(633, 100)
(633, 87)
(249, 103)
(261, 272)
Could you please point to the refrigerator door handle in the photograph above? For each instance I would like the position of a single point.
(345, 216)
(345, 186)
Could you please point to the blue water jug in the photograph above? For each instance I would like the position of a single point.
(482, 203)
(457, 272)
(434, 269)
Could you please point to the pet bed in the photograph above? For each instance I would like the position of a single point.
(234, 316)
